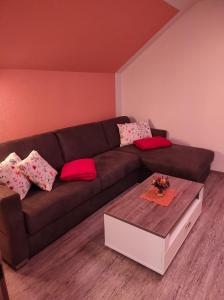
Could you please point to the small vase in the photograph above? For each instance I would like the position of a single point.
(160, 192)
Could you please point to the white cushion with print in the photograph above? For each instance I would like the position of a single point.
(38, 171)
(129, 132)
(12, 177)
(144, 128)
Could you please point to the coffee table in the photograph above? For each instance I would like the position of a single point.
(148, 233)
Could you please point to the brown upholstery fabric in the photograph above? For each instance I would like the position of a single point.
(159, 132)
(111, 130)
(13, 237)
(112, 166)
(82, 141)
(46, 144)
(41, 208)
(132, 149)
(55, 229)
(114, 190)
(28, 226)
(178, 160)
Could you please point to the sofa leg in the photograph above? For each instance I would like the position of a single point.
(21, 264)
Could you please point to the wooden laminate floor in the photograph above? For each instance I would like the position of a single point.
(78, 266)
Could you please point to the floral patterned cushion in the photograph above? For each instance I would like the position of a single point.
(12, 177)
(38, 171)
(145, 129)
(129, 132)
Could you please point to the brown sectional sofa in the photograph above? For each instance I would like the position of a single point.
(29, 225)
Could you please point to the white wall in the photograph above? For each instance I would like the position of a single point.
(178, 80)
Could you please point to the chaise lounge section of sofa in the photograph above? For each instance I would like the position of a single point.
(29, 225)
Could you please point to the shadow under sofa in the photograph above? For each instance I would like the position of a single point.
(29, 225)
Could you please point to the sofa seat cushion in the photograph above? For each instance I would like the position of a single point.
(42, 208)
(178, 160)
(112, 166)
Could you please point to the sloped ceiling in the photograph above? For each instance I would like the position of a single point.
(77, 35)
(182, 4)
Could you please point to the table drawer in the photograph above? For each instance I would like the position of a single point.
(175, 239)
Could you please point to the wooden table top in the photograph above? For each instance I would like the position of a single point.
(149, 216)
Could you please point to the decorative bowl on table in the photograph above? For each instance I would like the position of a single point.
(161, 183)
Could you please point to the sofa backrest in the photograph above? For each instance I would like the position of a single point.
(111, 130)
(82, 141)
(69, 143)
(46, 144)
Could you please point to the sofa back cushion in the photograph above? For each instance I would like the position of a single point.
(82, 141)
(111, 130)
(46, 144)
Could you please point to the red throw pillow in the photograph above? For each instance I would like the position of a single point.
(152, 143)
(79, 169)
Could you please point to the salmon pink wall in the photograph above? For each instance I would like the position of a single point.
(38, 101)
(178, 81)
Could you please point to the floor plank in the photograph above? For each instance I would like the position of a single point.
(79, 266)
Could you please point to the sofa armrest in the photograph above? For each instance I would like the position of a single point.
(13, 237)
(159, 132)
